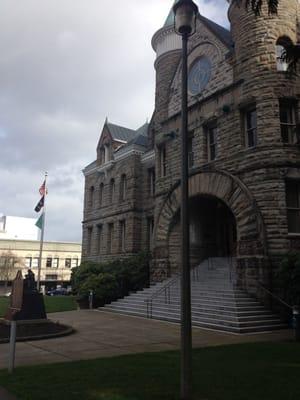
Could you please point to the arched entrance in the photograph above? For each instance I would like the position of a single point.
(212, 231)
(225, 198)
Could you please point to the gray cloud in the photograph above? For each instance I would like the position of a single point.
(65, 65)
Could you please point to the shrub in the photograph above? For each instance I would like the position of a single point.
(111, 280)
(289, 278)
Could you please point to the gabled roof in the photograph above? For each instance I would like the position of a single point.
(223, 34)
(170, 17)
(120, 133)
(143, 130)
(140, 140)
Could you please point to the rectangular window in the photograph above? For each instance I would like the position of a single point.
(74, 262)
(51, 277)
(287, 112)
(110, 238)
(49, 262)
(55, 263)
(28, 262)
(151, 181)
(191, 150)
(162, 161)
(212, 143)
(150, 227)
(293, 205)
(122, 235)
(99, 238)
(68, 262)
(123, 187)
(251, 127)
(89, 240)
(35, 262)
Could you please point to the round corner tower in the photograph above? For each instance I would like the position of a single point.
(269, 105)
(167, 46)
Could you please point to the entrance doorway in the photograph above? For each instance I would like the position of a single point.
(212, 231)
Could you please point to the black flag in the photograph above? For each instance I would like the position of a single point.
(40, 204)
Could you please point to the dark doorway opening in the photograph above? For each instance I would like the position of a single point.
(212, 231)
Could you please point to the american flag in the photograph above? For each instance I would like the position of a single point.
(43, 189)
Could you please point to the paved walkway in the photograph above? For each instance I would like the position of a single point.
(103, 334)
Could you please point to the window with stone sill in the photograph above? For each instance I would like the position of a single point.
(212, 136)
(101, 191)
(281, 44)
(112, 191)
(151, 182)
(75, 262)
(287, 111)
(123, 187)
(91, 197)
(292, 188)
(162, 159)
(250, 127)
(55, 263)
(105, 154)
(99, 238)
(68, 262)
(89, 239)
(110, 238)
(49, 262)
(150, 228)
(122, 235)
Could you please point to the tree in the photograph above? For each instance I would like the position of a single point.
(8, 263)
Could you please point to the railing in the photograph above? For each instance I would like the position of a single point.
(164, 289)
(285, 310)
(195, 276)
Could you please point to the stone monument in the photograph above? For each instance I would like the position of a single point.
(26, 302)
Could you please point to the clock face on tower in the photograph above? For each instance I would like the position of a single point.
(199, 75)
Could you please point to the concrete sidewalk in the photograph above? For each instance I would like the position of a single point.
(102, 334)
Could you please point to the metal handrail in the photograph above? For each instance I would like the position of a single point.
(166, 289)
(274, 295)
(195, 277)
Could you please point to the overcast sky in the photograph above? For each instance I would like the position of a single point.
(64, 66)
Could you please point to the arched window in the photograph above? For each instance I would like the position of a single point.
(91, 196)
(102, 155)
(101, 190)
(281, 45)
(123, 187)
(112, 190)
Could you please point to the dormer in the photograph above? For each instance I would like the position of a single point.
(112, 138)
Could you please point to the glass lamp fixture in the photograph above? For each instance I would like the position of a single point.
(185, 13)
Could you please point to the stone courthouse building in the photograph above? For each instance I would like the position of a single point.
(244, 155)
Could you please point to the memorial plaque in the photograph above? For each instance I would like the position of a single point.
(17, 293)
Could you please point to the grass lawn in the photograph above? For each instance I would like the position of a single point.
(52, 304)
(263, 371)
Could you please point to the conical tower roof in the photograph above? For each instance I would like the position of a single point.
(170, 17)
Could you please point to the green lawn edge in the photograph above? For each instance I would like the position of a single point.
(260, 371)
(52, 304)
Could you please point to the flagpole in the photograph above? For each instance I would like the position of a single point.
(42, 237)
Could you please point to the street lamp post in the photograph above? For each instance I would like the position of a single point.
(185, 12)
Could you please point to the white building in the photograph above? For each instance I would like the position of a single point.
(18, 228)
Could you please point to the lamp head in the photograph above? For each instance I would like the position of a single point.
(185, 12)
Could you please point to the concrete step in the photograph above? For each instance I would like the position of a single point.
(217, 303)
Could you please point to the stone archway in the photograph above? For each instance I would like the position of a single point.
(251, 236)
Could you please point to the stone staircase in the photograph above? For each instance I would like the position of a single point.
(216, 301)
